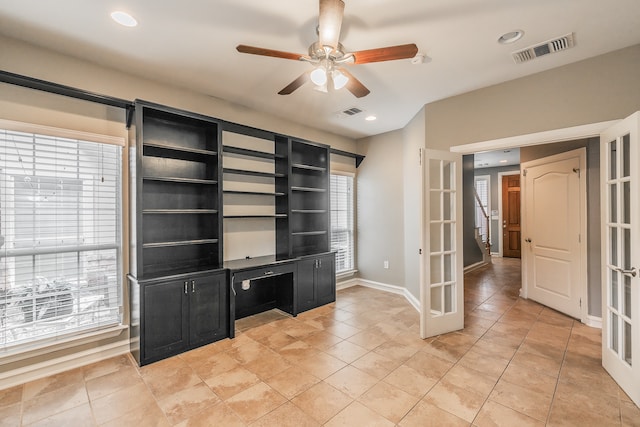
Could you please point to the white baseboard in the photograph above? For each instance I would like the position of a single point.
(65, 363)
(346, 284)
(475, 266)
(593, 321)
(398, 290)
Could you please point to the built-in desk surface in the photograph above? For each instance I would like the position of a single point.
(250, 263)
(260, 284)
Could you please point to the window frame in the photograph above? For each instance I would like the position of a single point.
(96, 332)
(352, 230)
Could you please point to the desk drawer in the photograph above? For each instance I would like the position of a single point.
(263, 272)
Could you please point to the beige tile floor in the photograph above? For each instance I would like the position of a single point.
(358, 362)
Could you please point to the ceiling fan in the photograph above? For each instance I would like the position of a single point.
(328, 55)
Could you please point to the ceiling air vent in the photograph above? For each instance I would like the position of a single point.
(352, 111)
(551, 46)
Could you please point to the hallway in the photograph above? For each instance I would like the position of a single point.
(356, 362)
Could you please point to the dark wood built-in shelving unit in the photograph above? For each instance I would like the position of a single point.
(186, 182)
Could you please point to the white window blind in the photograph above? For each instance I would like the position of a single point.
(342, 221)
(60, 244)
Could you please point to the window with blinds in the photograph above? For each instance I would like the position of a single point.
(60, 244)
(482, 208)
(342, 221)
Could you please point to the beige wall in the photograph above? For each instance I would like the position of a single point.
(26, 59)
(380, 215)
(594, 90)
(413, 137)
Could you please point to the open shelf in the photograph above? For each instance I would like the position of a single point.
(309, 211)
(309, 189)
(309, 233)
(182, 180)
(179, 243)
(179, 211)
(308, 167)
(255, 216)
(247, 152)
(253, 173)
(253, 193)
(176, 149)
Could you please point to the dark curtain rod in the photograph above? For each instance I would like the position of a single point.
(72, 92)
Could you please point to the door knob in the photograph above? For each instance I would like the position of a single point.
(528, 240)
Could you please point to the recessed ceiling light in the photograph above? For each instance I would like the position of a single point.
(124, 18)
(503, 161)
(511, 37)
(370, 118)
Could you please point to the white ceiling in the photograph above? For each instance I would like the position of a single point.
(192, 44)
(498, 158)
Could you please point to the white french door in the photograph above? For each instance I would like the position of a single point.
(441, 290)
(620, 195)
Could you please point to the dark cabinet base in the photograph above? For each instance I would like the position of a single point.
(177, 314)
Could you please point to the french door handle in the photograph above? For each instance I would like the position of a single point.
(193, 286)
(186, 287)
(632, 272)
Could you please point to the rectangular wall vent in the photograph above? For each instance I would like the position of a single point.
(555, 45)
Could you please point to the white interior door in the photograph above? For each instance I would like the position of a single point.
(554, 231)
(441, 290)
(620, 166)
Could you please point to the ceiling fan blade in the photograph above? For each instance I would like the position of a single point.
(295, 84)
(268, 52)
(329, 22)
(385, 53)
(354, 85)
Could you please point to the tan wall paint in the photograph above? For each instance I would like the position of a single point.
(380, 209)
(598, 89)
(413, 138)
(26, 59)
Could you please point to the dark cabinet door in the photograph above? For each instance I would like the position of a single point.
(208, 316)
(325, 280)
(165, 320)
(306, 284)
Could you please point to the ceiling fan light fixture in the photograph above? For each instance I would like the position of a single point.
(339, 79)
(319, 76)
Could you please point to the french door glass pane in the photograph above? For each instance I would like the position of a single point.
(614, 290)
(613, 203)
(626, 202)
(612, 160)
(448, 299)
(436, 237)
(626, 155)
(627, 296)
(436, 269)
(434, 175)
(435, 205)
(436, 300)
(613, 232)
(627, 342)
(613, 333)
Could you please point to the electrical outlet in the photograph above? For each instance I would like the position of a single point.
(386, 264)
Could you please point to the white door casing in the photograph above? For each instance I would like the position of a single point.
(441, 287)
(554, 231)
(620, 210)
